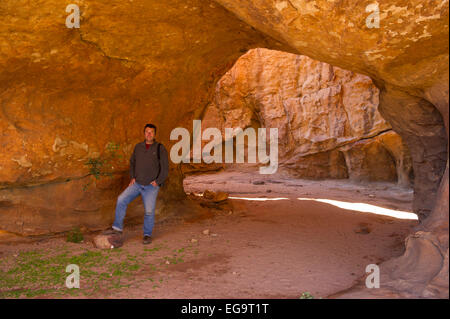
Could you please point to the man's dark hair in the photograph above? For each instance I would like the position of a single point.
(151, 126)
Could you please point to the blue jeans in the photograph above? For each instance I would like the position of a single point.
(149, 194)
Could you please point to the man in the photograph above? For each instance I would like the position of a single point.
(149, 167)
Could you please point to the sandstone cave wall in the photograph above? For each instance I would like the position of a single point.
(73, 102)
(130, 58)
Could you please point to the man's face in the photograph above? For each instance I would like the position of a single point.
(149, 134)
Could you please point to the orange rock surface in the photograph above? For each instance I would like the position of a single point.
(66, 94)
(74, 101)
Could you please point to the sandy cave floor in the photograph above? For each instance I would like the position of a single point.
(253, 249)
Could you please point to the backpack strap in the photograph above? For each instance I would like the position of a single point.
(159, 159)
(159, 151)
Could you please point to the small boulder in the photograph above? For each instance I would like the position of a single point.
(208, 194)
(220, 197)
(103, 241)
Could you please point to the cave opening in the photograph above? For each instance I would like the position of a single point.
(327, 120)
(342, 188)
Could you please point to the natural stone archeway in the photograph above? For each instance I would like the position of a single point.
(65, 94)
(327, 119)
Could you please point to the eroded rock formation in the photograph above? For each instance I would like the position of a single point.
(407, 57)
(148, 60)
(327, 119)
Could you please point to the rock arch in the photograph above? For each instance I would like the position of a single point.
(65, 94)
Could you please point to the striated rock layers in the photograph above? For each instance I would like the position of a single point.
(327, 118)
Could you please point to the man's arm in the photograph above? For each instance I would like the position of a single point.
(164, 165)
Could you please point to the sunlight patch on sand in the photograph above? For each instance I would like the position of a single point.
(366, 208)
(248, 198)
(259, 198)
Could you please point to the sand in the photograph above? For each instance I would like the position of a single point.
(258, 249)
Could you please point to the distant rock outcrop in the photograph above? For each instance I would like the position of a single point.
(327, 117)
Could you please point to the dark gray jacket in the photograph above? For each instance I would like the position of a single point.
(144, 164)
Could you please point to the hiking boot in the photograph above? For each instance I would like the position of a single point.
(112, 231)
(147, 240)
